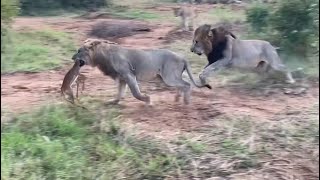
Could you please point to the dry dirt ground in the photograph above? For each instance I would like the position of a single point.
(21, 91)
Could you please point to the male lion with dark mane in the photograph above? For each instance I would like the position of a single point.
(225, 50)
(128, 66)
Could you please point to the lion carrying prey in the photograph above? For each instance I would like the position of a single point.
(127, 66)
(224, 50)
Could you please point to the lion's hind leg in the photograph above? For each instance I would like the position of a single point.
(172, 76)
(282, 69)
(182, 86)
(263, 69)
(276, 65)
(178, 95)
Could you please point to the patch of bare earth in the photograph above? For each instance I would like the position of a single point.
(168, 118)
(83, 28)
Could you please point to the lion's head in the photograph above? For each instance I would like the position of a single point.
(85, 53)
(206, 38)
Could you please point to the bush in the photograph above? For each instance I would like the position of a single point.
(258, 17)
(294, 24)
(9, 9)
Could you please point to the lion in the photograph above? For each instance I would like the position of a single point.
(128, 66)
(187, 15)
(224, 50)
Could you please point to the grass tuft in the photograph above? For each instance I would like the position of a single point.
(36, 51)
(62, 142)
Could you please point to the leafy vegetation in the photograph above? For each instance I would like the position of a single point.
(257, 17)
(225, 14)
(293, 25)
(9, 9)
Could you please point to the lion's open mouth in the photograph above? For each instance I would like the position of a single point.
(82, 62)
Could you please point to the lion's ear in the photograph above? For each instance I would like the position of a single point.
(232, 35)
(94, 43)
(225, 31)
(212, 32)
(221, 30)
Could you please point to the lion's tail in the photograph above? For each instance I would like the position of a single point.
(187, 68)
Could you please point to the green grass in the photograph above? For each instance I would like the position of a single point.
(63, 142)
(127, 12)
(140, 3)
(310, 65)
(54, 12)
(219, 14)
(194, 146)
(36, 51)
(183, 47)
(60, 142)
(136, 14)
(137, 11)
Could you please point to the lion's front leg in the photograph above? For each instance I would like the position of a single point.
(220, 64)
(121, 92)
(213, 68)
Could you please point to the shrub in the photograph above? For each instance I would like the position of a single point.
(293, 25)
(9, 9)
(257, 16)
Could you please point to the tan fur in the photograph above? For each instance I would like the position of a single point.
(187, 15)
(128, 66)
(80, 80)
(237, 53)
(72, 76)
(90, 41)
